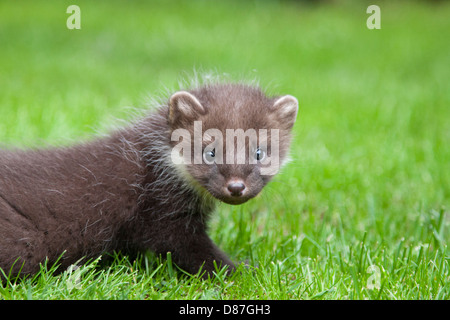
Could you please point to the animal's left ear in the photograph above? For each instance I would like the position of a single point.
(285, 108)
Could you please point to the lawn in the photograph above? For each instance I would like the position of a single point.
(363, 209)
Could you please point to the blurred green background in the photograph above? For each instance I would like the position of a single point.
(371, 151)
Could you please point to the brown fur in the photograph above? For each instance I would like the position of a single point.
(122, 193)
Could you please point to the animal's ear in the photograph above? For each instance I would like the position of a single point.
(184, 109)
(285, 109)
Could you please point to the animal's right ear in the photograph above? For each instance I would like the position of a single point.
(184, 109)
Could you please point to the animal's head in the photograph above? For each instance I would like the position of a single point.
(230, 139)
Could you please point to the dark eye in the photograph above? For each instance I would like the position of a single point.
(259, 154)
(208, 156)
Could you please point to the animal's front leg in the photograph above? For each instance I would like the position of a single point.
(192, 251)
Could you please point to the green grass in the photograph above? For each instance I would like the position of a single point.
(369, 185)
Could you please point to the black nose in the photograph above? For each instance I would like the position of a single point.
(236, 188)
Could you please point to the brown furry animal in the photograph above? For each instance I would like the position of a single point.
(129, 191)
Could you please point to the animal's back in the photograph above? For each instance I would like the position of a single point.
(63, 199)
